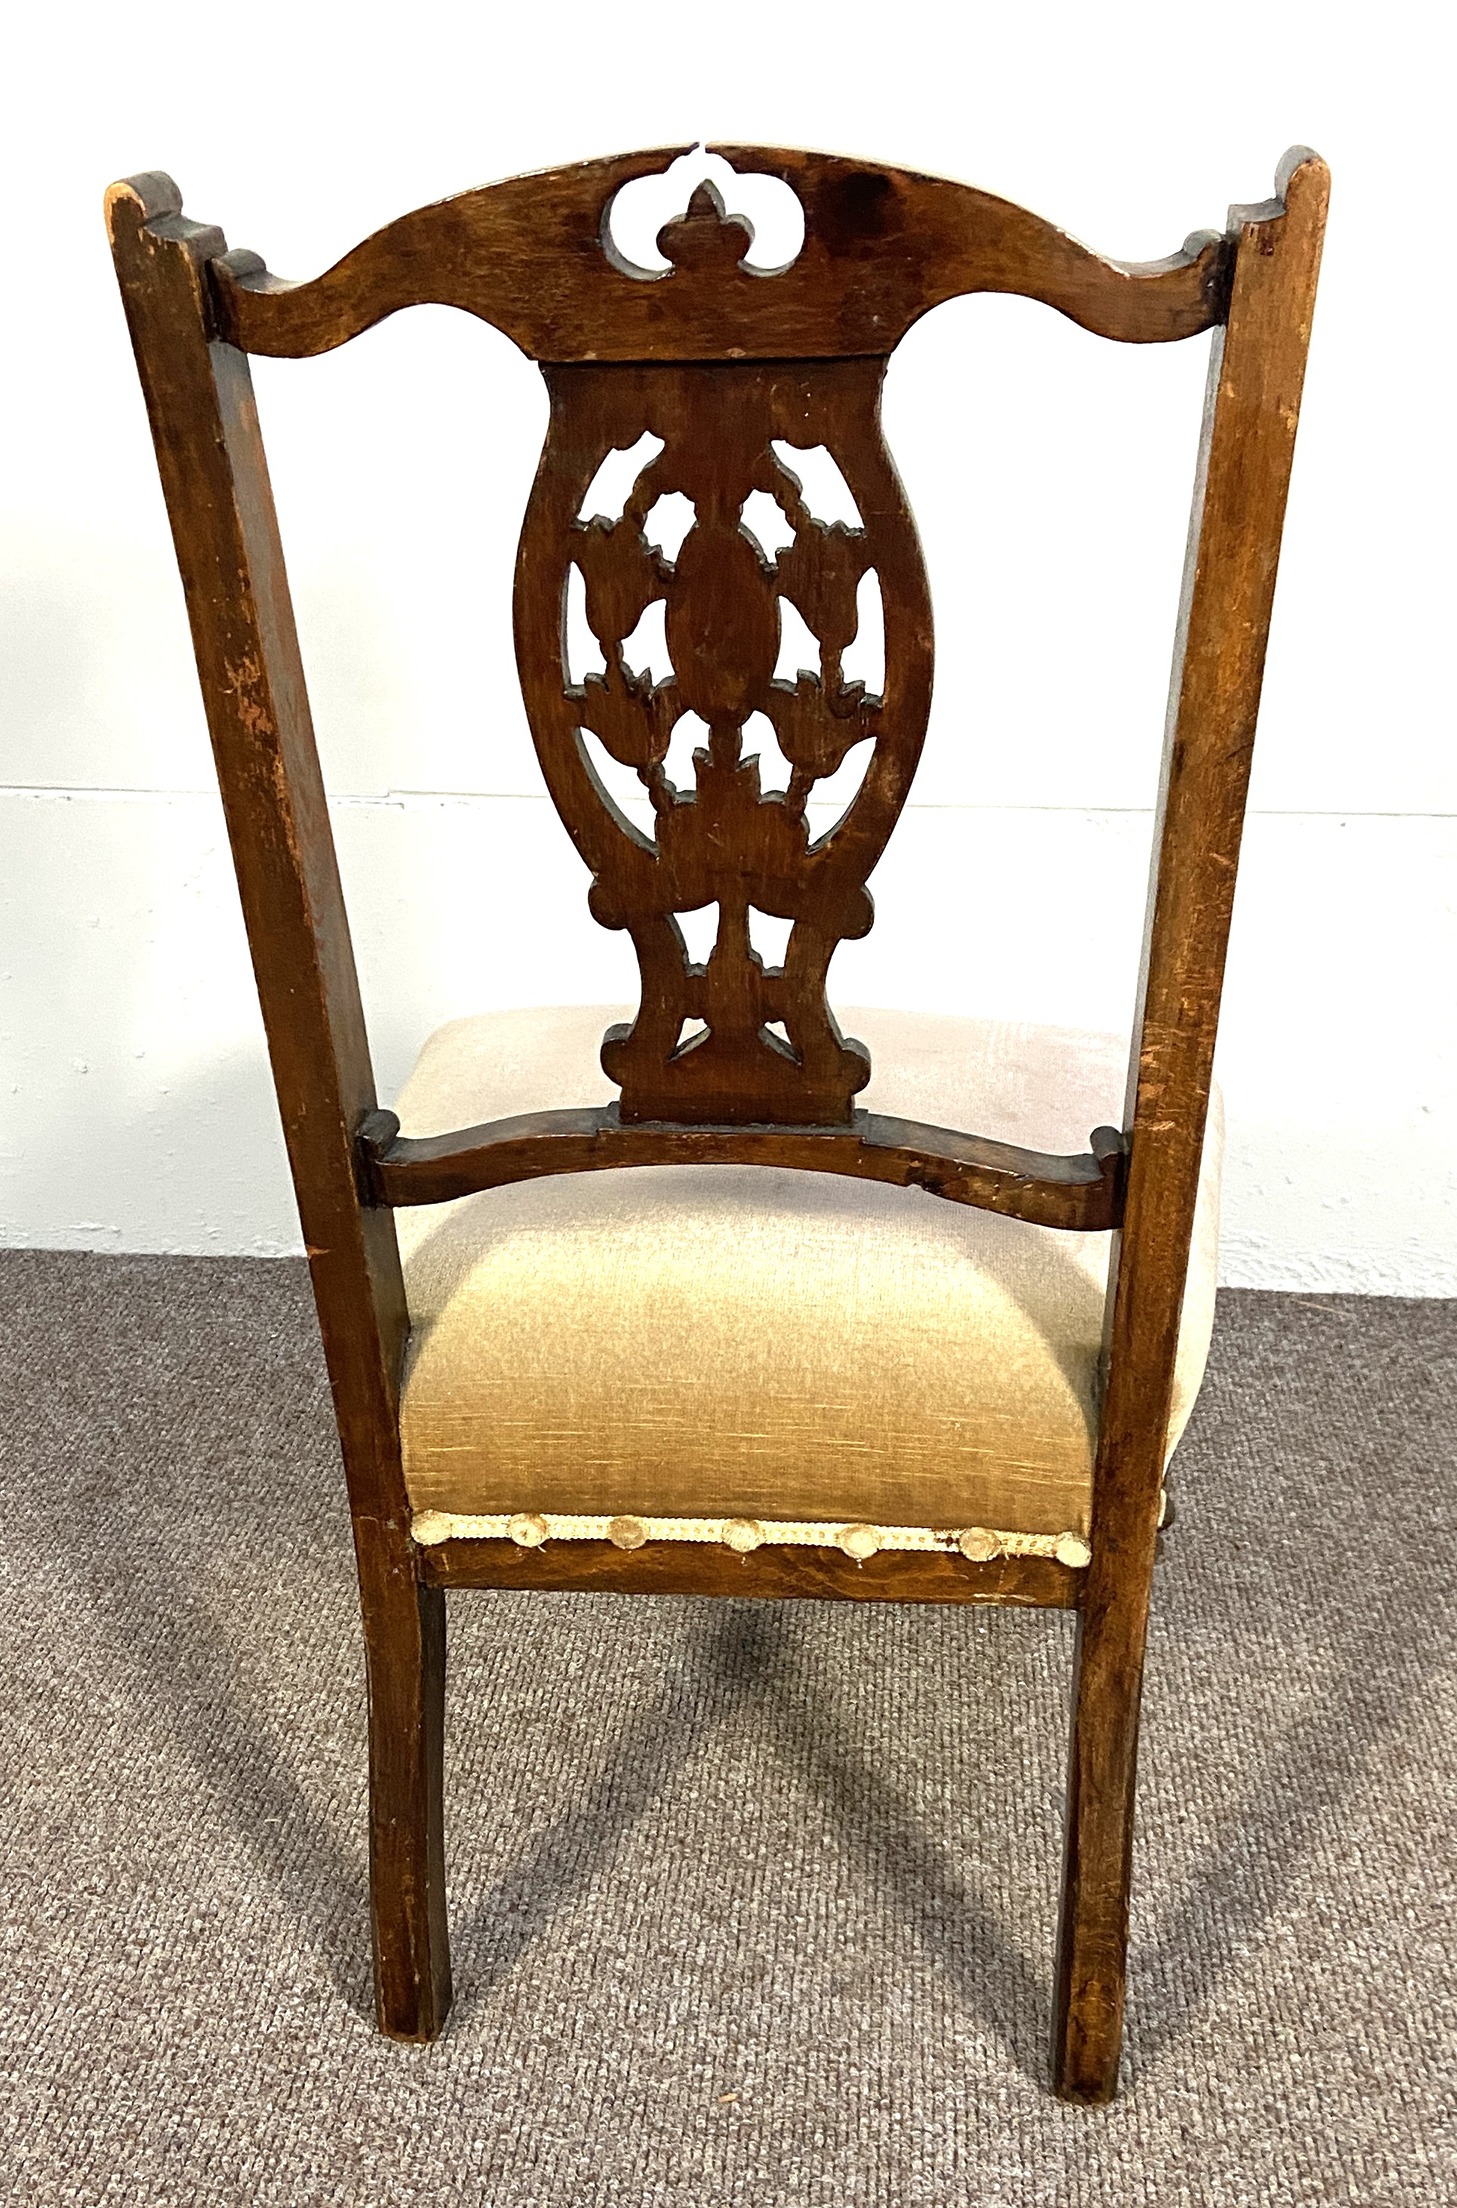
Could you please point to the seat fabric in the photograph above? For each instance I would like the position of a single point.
(752, 1342)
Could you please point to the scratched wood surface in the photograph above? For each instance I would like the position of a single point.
(1082, 1193)
(1256, 376)
(769, 1574)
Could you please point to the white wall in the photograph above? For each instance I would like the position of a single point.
(1050, 473)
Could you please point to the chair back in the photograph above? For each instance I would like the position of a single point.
(724, 372)
(716, 375)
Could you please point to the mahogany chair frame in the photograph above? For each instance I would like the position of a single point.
(533, 257)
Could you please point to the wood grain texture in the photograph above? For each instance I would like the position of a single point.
(1255, 381)
(1082, 1193)
(210, 455)
(882, 246)
(771, 1573)
(404, 1625)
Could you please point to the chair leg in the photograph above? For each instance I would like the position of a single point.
(404, 1626)
(1092, 1939)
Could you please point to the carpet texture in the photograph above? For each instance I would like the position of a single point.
(752, 1903)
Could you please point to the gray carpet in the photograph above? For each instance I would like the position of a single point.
(752, 1903)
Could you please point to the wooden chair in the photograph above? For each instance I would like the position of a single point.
(733, 1062)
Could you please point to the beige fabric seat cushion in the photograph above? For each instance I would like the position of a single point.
(741, 1341)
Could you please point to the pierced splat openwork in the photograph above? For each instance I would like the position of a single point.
(715, 373)
(732, 1040)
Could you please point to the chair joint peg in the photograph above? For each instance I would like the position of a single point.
(378, 1131)
(1109, 1146)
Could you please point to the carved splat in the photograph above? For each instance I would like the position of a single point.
(733, 1039)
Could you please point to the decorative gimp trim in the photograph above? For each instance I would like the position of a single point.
(529, 1529)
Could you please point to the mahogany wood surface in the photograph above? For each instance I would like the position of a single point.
(723, 841)
(882, 246)
(1083, 1193)
(730, 368)
(772, 1572)
(1256, 374)
(205, 427)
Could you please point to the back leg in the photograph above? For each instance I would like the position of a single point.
(1092, 1939)
(404, 1628)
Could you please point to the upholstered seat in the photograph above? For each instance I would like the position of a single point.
(749, 1344)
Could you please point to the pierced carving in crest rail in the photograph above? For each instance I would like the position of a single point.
(731, 1039)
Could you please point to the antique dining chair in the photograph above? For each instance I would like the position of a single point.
(897, 1385)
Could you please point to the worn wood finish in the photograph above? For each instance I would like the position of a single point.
(724, 364)
(1083, 1193)
(721, 841)
(404, 1625)
(205, 426)
(882, 246)
(775, 1573)
(1255, 382)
